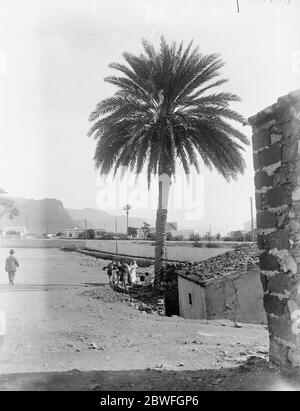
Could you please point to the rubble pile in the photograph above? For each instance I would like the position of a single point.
(168, 275)
(163, 300)
(139, 297)
(242, 258)
(105, 294)
(147, 299)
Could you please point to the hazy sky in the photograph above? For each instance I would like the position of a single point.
(54, 55)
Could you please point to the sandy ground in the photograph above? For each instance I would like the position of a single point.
(54, 327)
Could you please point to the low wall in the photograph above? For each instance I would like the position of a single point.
(146, 250)
(238, 297)
(141, 262)
(38, 243)
(143, 249)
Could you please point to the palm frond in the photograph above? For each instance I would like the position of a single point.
(162, 110)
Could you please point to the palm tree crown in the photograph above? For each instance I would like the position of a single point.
(162, 111)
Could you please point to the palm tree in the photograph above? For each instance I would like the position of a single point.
(7, 206)
(162, 112)
(127, 208)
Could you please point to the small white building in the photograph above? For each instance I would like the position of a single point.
(171, 227)
(70, 233)
(140, 234)
(186, 234)
(78, 232)
(237, 296)
(15, 231)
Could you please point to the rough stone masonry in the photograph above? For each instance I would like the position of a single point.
(276, 156)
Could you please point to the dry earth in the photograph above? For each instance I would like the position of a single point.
(67, 330)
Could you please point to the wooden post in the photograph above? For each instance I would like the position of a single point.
(116, 230)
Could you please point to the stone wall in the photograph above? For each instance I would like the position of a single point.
(276, 155)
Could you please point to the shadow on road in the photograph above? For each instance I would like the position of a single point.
(243, 378)
(150, 298)
(95, 284)
(46, 286)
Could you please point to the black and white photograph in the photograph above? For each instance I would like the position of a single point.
(149, 198)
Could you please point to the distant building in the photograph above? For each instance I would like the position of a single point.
(70, 233)
(78, 233)
(140, 234)
(237, 234)
(14, 231)
(186, 234)
(173, 226)
(99, 232)
(248, 227)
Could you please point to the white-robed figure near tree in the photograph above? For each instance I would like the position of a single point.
(132, 271)
(162, 112)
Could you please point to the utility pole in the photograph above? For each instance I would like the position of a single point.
(86, 236)
(116, 231)
(252, 220)
(126, 209)
(209, 233)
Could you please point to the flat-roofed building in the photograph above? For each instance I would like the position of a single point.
(79, 232)
(14, 231)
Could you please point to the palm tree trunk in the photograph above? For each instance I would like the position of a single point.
(161, 223)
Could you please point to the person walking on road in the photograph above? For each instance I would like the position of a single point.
(11, 266)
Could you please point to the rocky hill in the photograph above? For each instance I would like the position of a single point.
(48, 216)
(40, 216)
(101, 219)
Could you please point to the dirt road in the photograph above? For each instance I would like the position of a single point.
(57, 323)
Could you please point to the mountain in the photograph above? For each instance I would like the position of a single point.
(48, 216)
(101, 219)
(40, 216)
